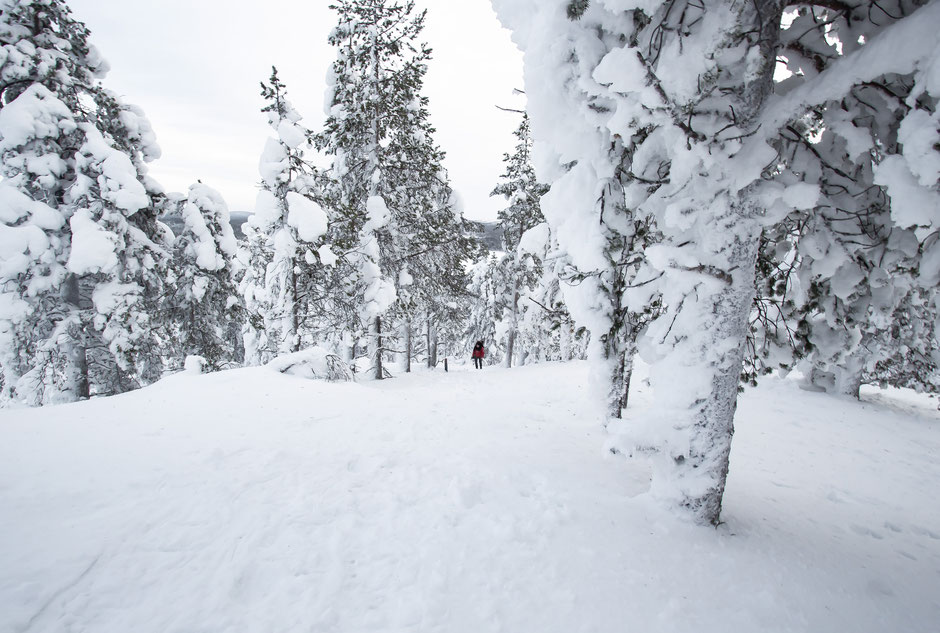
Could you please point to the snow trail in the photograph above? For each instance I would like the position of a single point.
(468, 501)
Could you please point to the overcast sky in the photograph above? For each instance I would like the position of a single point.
(194, 67)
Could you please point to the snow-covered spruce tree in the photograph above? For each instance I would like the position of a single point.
(488, 289)
(206, 308)
(834, 280)
(129, 132)
(37, 135)
(685, 90)
(910, 349)
(441, 244)
(602, 236)
(546, 329)
(522, 191)
(284, 237)
(35, 242)
(663, 95)
(72, 166)
(394, 219)
(112, 264)
(432, 238)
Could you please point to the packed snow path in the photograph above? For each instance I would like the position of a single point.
(473, 501)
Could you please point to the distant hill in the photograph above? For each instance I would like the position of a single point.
(490, 233)
(237, 219)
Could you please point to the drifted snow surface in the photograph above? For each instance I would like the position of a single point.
(473, 501)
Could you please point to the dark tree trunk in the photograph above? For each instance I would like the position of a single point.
(78, 358)
(295, 312)
(627, 376)
(378, 348)
(428, 335)
(407, 346)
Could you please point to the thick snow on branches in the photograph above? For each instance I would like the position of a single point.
(663, 115)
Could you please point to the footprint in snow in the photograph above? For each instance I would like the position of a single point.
(466, 495)
(864, 531)
(878, 587)
(916, 529)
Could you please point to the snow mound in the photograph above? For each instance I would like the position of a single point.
(314, 363)
(194, 364)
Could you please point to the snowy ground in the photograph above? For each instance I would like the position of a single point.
(248, 501)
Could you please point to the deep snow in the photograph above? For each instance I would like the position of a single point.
(472, 501)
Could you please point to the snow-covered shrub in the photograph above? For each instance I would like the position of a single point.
(194, 364)
(315, 363)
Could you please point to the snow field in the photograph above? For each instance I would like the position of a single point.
(470, 501)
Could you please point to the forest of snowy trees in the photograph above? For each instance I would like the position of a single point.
(739, 184)
(724, 188)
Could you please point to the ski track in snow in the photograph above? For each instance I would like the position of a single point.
(471, 501)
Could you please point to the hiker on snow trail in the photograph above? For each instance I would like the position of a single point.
(478, 355)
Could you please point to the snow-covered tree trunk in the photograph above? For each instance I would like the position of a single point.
(849, 378)
(427, 336)
(76, 383)
(696, 377)
(644, 109)
(628, 363)
(408, 345)
(513, 321)
(619, 349)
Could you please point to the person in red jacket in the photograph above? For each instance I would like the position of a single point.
(478, 354)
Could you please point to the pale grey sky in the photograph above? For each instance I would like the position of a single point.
(194, 67)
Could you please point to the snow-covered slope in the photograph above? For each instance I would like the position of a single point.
(463, 502)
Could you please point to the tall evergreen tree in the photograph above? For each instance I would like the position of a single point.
(523, 192)
(546, 329)
(285, 236)
(78, 297)
(393, 213)
(488, 289)
(206, 309)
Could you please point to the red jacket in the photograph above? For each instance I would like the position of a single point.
(477, 353)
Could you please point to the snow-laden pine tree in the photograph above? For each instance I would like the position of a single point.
(111, 266)
(80, 270)
(36, 123)
(669, 99)
(395, 220)
(547, 332)
(600, 232)
(281, 284)
(206, 309)
(128, 131)
(489, 286)
(433, 238)
(523, 193)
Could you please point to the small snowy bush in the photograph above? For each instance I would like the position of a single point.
(314, 363)
(194, 364)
